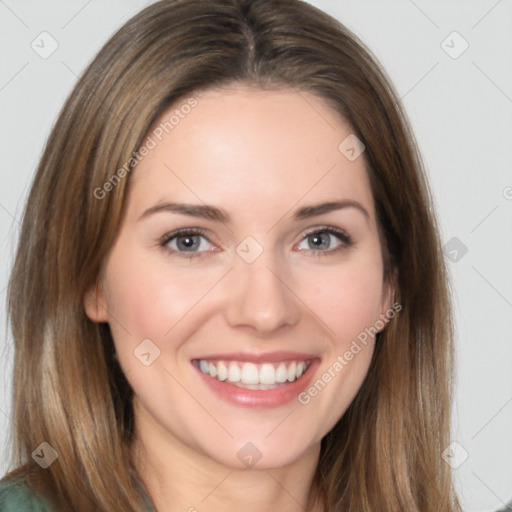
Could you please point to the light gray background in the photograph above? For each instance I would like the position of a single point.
(461, 112)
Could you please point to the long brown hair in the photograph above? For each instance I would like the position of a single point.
(385, 452)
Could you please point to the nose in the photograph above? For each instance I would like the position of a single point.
(260, 298)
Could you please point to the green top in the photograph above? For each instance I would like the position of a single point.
(16, 496)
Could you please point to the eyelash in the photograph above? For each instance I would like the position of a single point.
(345, 239)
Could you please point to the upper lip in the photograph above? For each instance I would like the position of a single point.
(271, 357)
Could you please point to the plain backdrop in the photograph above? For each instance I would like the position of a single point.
(451, 64)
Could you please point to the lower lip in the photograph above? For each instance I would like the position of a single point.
(266, 398)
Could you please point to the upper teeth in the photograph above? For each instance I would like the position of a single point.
(250, 373)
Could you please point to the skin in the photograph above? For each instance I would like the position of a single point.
(258, 155)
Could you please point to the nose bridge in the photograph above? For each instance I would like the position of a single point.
(261, 297)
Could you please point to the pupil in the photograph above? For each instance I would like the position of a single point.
(317, 238)
(189, 241)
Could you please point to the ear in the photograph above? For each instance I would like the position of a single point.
(388, 298)
(95, 304)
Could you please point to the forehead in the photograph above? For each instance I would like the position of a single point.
(249, 149)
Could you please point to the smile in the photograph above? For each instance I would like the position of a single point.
(257, 380)
(254, 376)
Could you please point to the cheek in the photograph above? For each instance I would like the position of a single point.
(145, 302)
(148, 299)
(347, 298)
(349, 305)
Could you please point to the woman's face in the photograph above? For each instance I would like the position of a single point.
(266, 285)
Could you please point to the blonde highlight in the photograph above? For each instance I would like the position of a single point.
(385, 452)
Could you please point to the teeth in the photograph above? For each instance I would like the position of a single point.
(291, 372)
(249, 374)
(222, 371)
(260, 387)
(281, 373)
(234, 373)
(267, 374)
(254, 376)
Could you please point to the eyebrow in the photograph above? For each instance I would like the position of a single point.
(217, 214)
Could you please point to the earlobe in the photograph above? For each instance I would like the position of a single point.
(95, 304)
(389, 298)
(391, 288)
(388, 301)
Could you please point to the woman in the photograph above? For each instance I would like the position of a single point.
(299, 357)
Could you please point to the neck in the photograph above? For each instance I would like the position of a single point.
(180, 479)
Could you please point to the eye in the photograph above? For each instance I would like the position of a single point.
(186, 243)
(193, 242)
(320, 240)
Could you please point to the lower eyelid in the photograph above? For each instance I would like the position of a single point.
(168, 239)
(344, 243)
(344, 238)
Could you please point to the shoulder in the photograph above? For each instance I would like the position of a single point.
(16, 496)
